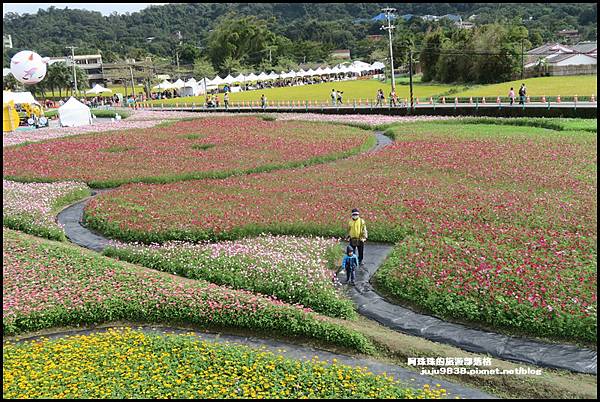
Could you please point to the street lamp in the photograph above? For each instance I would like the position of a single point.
(389, 13)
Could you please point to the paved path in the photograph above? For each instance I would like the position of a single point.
(411, 378)
(372, 305)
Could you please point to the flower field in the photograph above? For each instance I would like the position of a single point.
(207, 147)
(20, 137)
(31, 207)
(295, 270)
(48, 284)
(529, 191)
(132, 364)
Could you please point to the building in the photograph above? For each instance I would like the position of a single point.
(589, 48)
(466, 25)
(90, 63)
(383, 17)
(557, 59)
(341, 54)
(7, 41)
(569, 35)
(374, 38)
(430, 17)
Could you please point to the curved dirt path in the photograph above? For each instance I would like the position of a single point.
(408, 377)
(374, 306)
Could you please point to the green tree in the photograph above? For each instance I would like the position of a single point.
(241, 39)
(58, 77)
(430, 54)
(188, 53)
(203, 69)
(9, 82)
(231, 66)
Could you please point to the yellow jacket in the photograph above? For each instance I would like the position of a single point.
(357, 229)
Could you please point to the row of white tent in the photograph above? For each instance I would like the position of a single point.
(357, 67)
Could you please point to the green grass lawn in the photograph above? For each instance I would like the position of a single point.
(362, 89)
(581, 85)
(321, 92)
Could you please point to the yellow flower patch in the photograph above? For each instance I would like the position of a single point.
(128, 363)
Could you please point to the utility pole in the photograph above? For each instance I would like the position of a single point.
(389, 12)
(522, 58)
(410, 74)
(132, 87)
(73, 60)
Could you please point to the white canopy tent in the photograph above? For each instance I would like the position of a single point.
(361, 66)
(262, 76)
(164, 85)
(74, 113)
(327, 70)
(319, 71)
(208, 83)
(310, 72)
(251, 77)
(273, 76)
(178, 84)
(378, 65)
(345, 69)
(18, 97)
(217, 81)
(98, 89)
(229, 79)
(191, 88)
(239, 78)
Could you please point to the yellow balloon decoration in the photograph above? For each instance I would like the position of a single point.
(10, 117)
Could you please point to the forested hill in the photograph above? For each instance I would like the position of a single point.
(152, 31)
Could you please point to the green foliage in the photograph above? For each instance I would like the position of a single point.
(149, 297)
(296, 31)
(237, 40)
(486, 54)
(203, 69)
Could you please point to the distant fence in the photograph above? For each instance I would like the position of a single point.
(530, 109)
(583, 69)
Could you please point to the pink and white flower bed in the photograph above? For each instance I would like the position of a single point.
(31, 207)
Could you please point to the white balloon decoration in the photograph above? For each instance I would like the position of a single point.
(28, 67)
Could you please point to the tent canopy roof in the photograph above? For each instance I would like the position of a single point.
(18, 97)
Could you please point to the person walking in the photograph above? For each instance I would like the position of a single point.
(263, 101)
(226, 100)
(511, 95)
(357, 234)
(380, 97)
(350, 263)
(393, 98)
(522, 94)
(339, 97)
(333, 97)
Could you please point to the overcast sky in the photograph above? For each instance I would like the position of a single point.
(104, 8)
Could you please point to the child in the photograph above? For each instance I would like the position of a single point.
(511, 95)
(349, 263)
